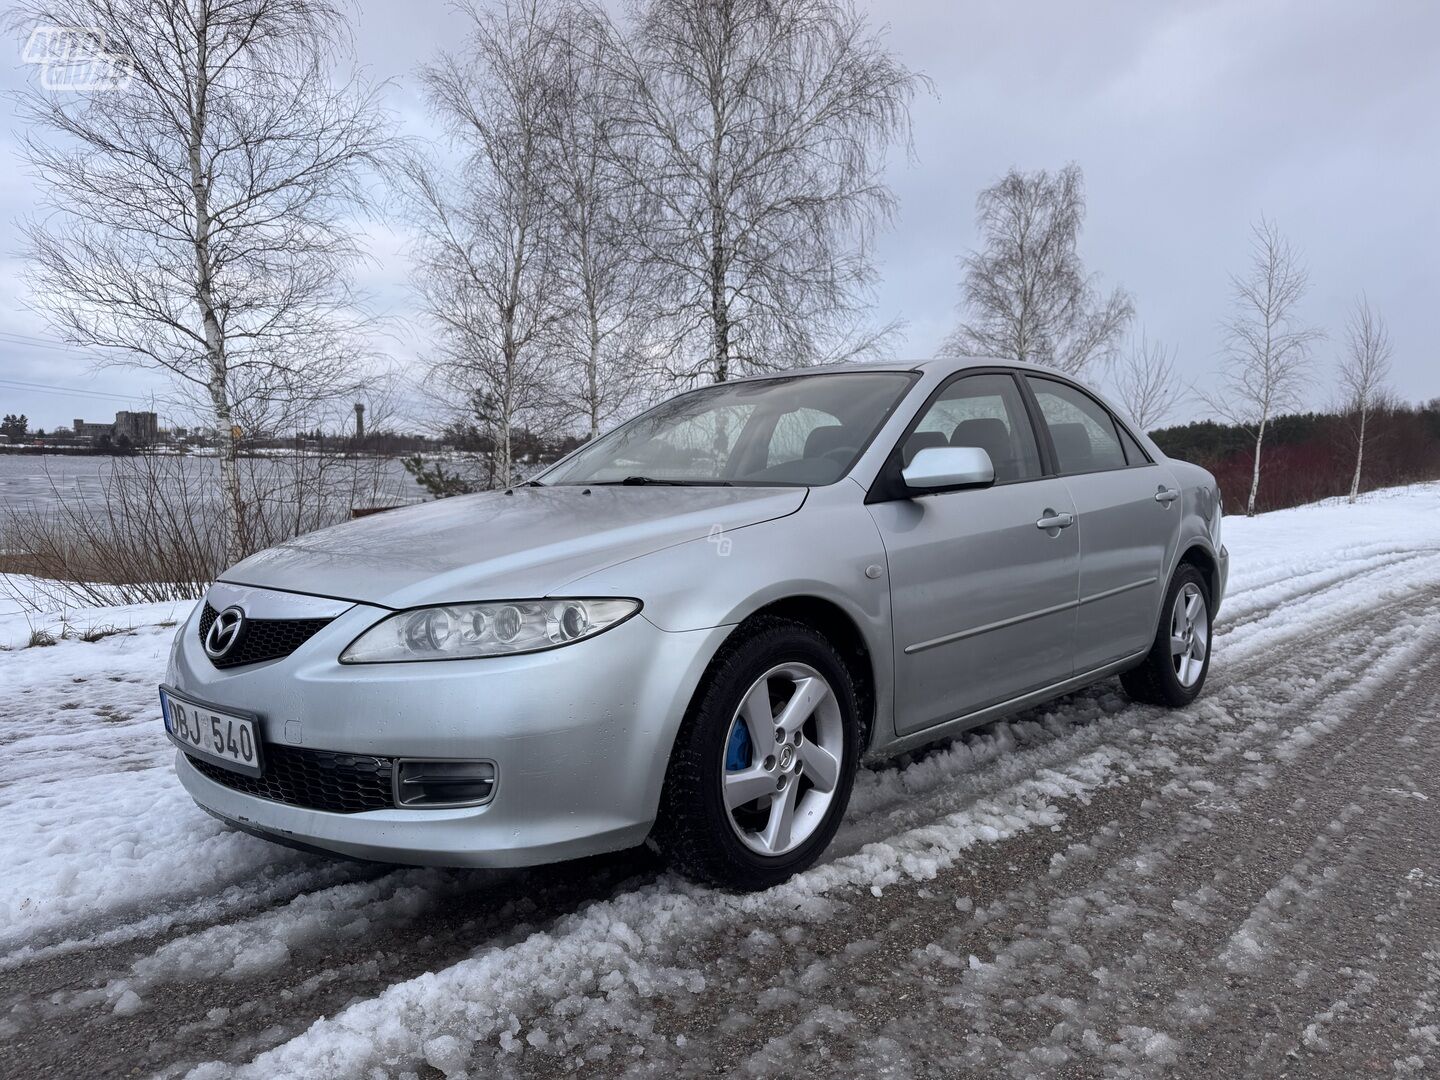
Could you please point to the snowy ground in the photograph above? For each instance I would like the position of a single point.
(1250, 887)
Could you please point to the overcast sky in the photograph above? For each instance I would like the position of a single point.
(1189, 119)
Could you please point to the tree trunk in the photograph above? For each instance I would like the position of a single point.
(507, 405)
(1359, 458)
(507, 400)
(507, 467)
(719, 313)
(719, 309)
(232, 504)
(1255, 474)
(592, 372)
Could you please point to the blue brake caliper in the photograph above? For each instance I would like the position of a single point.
(737, 750)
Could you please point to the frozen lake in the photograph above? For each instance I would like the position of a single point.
(41, 480)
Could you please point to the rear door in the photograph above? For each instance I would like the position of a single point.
(982, 598)
(1128, 517)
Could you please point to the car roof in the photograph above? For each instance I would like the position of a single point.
(944, 364)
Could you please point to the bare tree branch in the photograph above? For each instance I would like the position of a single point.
(602, 219)
(1148, 382)
(759, 129)
(1026, 295)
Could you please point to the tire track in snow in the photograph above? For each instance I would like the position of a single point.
(316, 952)
(1267, 595)
(1350, 956)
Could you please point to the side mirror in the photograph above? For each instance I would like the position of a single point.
(939, 467)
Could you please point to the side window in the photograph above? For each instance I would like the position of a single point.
(1134, 454)
(984, 411)
(1082, 431)
(792, 433)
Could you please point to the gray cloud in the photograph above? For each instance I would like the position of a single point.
(1189, 120)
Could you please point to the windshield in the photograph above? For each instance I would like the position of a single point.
(800, 430)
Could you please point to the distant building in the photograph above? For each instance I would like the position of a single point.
(139, 427)
(87, 430)
(136, 428)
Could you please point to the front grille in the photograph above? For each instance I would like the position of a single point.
(261, 639)
(313, 779)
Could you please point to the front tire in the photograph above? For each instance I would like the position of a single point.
(764, 761)
(1174, 671)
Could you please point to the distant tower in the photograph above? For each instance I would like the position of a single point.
(359, 421)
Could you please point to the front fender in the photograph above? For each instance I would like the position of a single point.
(830, 549)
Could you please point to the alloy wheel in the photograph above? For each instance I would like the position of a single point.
(1189, 635)
(781, 759)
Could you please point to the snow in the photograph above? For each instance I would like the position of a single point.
(103, 847)
(96, 827)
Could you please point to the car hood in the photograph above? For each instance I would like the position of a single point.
(499, 545)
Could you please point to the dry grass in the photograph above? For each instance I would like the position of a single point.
(41, 638)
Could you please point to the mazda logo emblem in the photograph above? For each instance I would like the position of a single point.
(224, 632)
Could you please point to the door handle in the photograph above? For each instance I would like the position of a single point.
(1052, 520)
(1165, 496)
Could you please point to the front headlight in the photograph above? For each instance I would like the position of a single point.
(502, 628)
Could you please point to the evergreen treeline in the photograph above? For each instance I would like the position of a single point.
(1309, 456)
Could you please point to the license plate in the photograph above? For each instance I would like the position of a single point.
(228, 739)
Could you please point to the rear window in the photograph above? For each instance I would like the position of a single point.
(1081, 430)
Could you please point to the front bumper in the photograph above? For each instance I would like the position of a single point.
(580, 735)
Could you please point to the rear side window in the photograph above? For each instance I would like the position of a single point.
(1081, 429)
(1134, 455)
(984, 411)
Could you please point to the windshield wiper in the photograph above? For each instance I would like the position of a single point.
(640, 481)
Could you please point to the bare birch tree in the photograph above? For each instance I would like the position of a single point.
(1364, 373)
(1148, 382)
(1025, 293)
(601, 217)
(760, 129)
(1268, 347)
(486, 257)
(199, 211)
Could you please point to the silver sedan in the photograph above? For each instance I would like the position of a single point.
(692, 628)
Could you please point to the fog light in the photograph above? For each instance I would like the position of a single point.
(443, 783)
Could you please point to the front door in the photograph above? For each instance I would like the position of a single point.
(982, 594)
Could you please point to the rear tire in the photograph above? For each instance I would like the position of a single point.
(1174, 670)
(704, 829)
